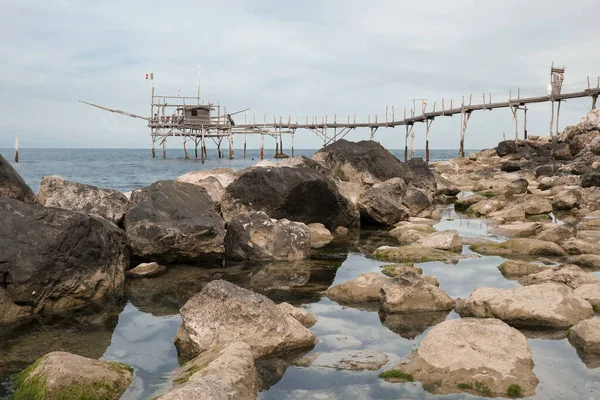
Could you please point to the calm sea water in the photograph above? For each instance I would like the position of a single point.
(129, 169)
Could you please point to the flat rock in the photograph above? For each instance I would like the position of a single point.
(536, 206)
(407, 236)
(520, 229)
(224, 175)
(518, 186)
(570, 275)
(444, 240)
(414, 253)
(12, 185)
(399, 269)
(410, 293)
(567, 199)
(351, 360)
(542, 306)
(223, 313)
(146, 270)
(304, 317)
(363, 289)
(586, 336)
(520, 246)
(469, 351)
(590, 292)
(585, 260)
(556, 233)
(465, 202)
(580, 246)
(486, 207)
(60, 193)
(516, 269)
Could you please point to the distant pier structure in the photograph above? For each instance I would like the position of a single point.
(196, 122)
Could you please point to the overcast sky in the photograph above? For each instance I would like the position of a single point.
(285, 58)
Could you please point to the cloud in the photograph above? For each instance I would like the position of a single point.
(284, 58)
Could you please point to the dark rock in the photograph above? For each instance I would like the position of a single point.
(382, 203)
(545, 170)
(299, 194)
(420, 176)
(506, 147)
(175, 222)
(510, 166)
(580, 168)
(591, 179)
(12, 185)
(54, 260)
(416, 200)
(518, 186)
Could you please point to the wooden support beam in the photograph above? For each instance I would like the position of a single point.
(292, 133)
(17, 149)
(195, 148)
(185, 153)
(202, 147)
(515, 112)
(557, 116)
(153, 152)
(525, 123)
(164, 145)
(262, 145)
(552, 119)
(594, 99)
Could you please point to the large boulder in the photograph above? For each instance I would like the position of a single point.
(12, 185)
(520, 246)
(542, 306)
(364, 289)
(482, 356)
(570, 275)
(224, 175)
(444, 240)
(418, 201)
(60, 375)
(223, 313)
(60, 193)
(304, 317)
(518, 186)
(299, 194)
(364, 162)
(420, 175)
(520, 229)
(586, 336)
(54, 260)
(537, 205)
(580, 246)
(591, 179)
(556, 233)
(567, 199)
(506, 147)
(175, 222)
(382, 203)
(444, 186)
(253, 236)
(225, 372)
(410, 293)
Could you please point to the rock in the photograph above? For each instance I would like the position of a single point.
(508, 214)
(536, 206)
(420, 176)
(567, 199)
(586, 336)
(410, 293)
(382, 203)
(467, 201)
(423, 227)
(12, 185)
(510, 166)
(556, 233)
(591, 179)
(364, 289)
(445, 187)
(341, 231)
(585, 260)
(224, 175)
(486, 207)
(223, 312)
(407, 236)
(506, 147)
(350, 360)
(445, 240)
(418, 201)
(106, 203)
(319, 235)
(253, 236)
(542, 306)
(213, 187)
(520, 229)
(175, 222)
(431, 279)
(520, 246)
(518, 186)
(580, 246)
(146, 270)
(414, 253)
(304, 317)
(545, 170)
(569, 275)
(55, 260)
(591, 293)
(364, 162)
(220, 373)
(399, 269)
(411, 325)
(515, 269)
(482, 356)
(298, 194)
(60, 375)
(561, 151)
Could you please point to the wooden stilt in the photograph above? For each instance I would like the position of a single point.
(557, 116)
(525, 123)
(552, 119)
(164, 144)
(202, 147)
(262, 146)
(280, 142)
(427, 125)
(153, 152)
(412, 145)
(219, 148)
(594, 99)
(515, 112)
(231, 151)
(406, 145)
(17, 149)
(244, 145)
(185, 153)
(276, 147)
(195, 148)
(292, 144)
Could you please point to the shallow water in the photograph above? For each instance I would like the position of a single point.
(141, 332)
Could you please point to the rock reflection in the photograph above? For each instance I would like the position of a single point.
(591, 361)
(409, 326)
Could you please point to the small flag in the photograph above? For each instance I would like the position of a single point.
(150, 76)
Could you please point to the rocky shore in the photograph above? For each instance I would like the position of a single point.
(74, 247)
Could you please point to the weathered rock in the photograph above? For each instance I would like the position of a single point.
(12, 185)
(299, 194)
(224, 175)
(364, 162)
(175, 222)
(253, 236)
(399, 269)
(567, 199)
(486, 207)
(414, 253)
(515, 269)
(407, 236)
(420, 175)
(226, 372)
(585, 260)
(223, 313)
(418, 201)
(319, 235)
(536, 206)
(467, 201)
(444, 240)
(520, 229)
(431, 279)
(146, 270)
(580, 246)
(586, 336)
(304, 317)
(508, 214)
(382, 203)
(510, 166)
(556, 233)
(55, 260)
(213, 187)
(542, 306)
(506, 147)
(351, 360)
(60, 375)
(106, 203)
(570, 275)
(410, 293)
(482, 356)
(520, 246)
(424, 227)
(364, 289)
(518, 186)
(591, 179)
(591, 293)
(445, 187)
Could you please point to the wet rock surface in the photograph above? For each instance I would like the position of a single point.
(586, 336)
(411, 293)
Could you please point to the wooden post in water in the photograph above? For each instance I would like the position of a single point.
(185, 153)
(552, 118)
(17, 149)
(412, 144)
(262, 145)
(515, 112)
(196, 147)
(525, 122)
(153, 152)
(557, 116)
(164, 144)
(202, 148)
(231, 145)
(292, 133)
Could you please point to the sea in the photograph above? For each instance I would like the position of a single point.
(128, 169)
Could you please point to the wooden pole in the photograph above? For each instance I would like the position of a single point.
(196, 147)
(17, 149)
(557, 116)
(552, 119)
(187, 156)
(525, 122)
(515, 112)
(245, 122)
(461, 148)
(427, 125)
(164, 144)
(153, 152)
(244, 145)
(292, 144)
(594, 99)
(262, 145)
(202, 148)
(412, 145)
(231, 145)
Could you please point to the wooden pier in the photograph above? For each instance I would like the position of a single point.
(188, 118)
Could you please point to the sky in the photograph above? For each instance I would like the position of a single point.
(288, 58)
